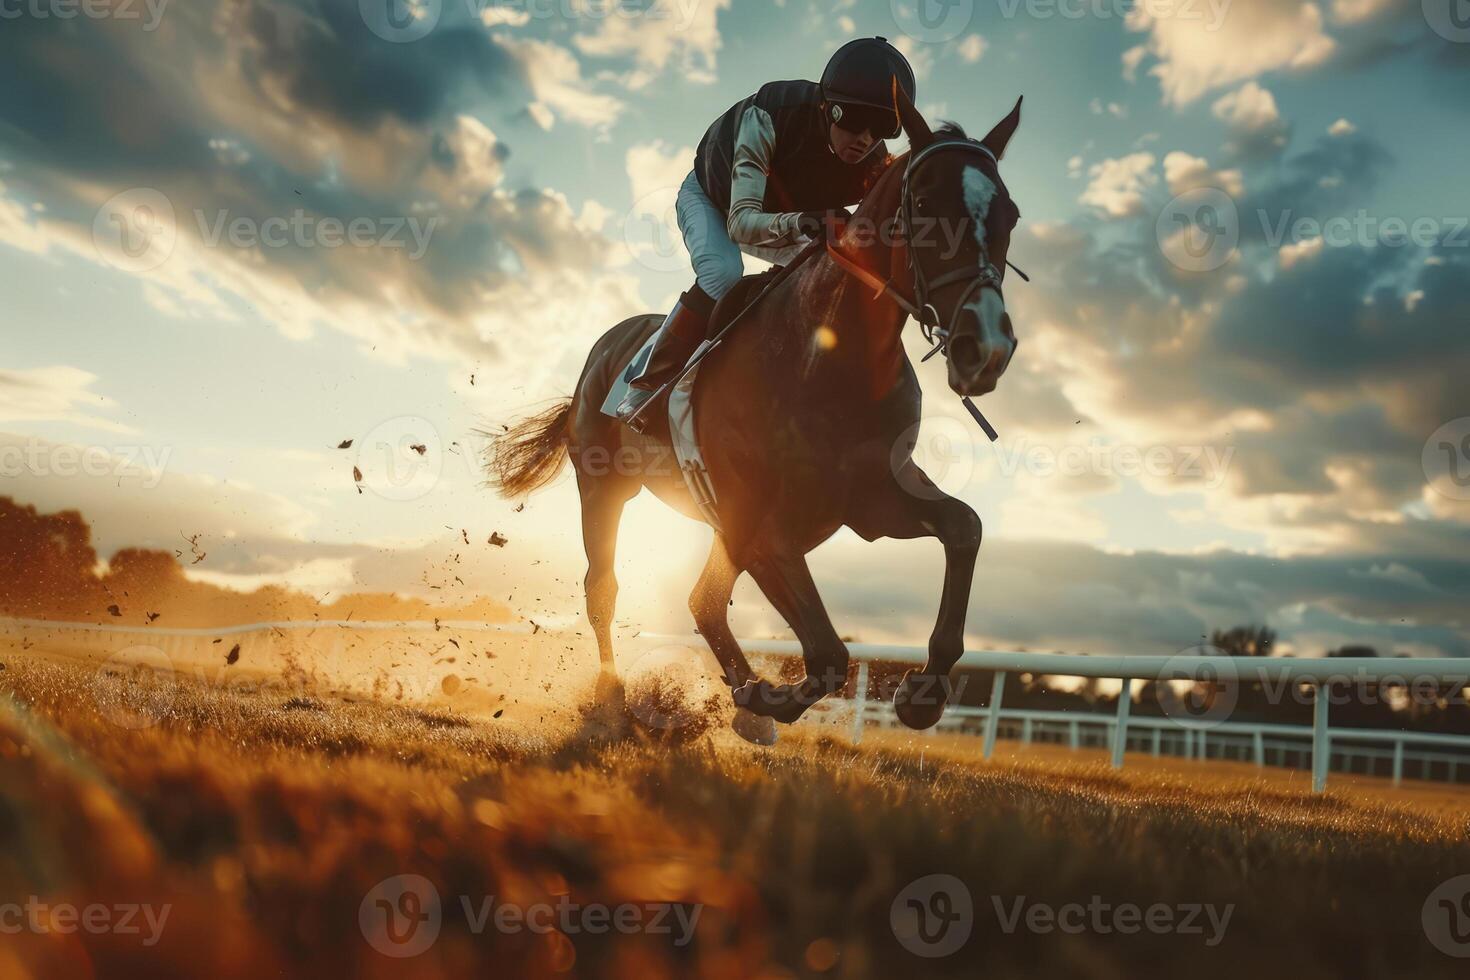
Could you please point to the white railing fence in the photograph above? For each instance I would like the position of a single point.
(1159, 733)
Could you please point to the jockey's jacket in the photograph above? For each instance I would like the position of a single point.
(767, 159)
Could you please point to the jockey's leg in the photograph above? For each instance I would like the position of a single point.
(717, 268)
(680, 334)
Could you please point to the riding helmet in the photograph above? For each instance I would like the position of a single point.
(862, 73)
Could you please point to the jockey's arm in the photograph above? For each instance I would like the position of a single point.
(748, 223)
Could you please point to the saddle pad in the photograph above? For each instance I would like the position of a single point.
(685, 441)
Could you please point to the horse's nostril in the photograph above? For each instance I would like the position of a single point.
(964, 352)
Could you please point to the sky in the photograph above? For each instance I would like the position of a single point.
(236, 233)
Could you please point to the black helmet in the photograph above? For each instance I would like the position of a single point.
(862, 73)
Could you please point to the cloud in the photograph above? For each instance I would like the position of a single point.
(1183, 172)
(1255, 123)
(1117, 186)
(664, 32)
(1198, 49)
(1342, 128)
(59, 393)
(328, 126)
(972, 48)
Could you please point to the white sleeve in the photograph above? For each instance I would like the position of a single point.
(747, 223)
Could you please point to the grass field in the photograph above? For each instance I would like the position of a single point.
(267, 818)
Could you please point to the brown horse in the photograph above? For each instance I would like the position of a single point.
(808, 414)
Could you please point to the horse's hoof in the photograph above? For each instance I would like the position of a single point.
(753, 728)
(780, 703)
(919, 700)
(609, 689)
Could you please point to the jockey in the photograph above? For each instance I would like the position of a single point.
(768, 173)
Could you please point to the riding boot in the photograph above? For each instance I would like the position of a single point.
(681, 332)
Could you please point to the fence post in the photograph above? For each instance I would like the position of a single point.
(1120, 734)
(1398, 762)
(992, 720)
(859, 702)
(1321, 744)
(1158, 737)
(1258, 745)
(1025, 731)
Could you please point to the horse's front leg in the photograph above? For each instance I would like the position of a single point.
(787, 583)
(910, 506)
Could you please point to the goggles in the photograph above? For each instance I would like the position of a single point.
(855, 118)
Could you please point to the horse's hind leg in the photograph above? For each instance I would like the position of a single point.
(787, 582)
(710, 604)
(603, 498)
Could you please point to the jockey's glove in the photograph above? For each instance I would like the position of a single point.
(822, 224)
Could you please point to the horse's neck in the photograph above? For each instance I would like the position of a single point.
(863, 333)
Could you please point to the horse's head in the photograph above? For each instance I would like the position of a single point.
(958, 217)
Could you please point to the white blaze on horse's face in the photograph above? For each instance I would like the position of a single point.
(987, 306)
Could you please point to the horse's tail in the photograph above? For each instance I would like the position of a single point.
(529, 455)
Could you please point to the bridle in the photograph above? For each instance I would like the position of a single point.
(982, 275)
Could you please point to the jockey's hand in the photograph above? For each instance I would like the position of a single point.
(822, 224)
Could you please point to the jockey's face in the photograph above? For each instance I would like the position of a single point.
(850, 147)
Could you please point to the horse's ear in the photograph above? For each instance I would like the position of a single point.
(996, 140)
(913, 122)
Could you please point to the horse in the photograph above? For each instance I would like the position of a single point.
(808, 414)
